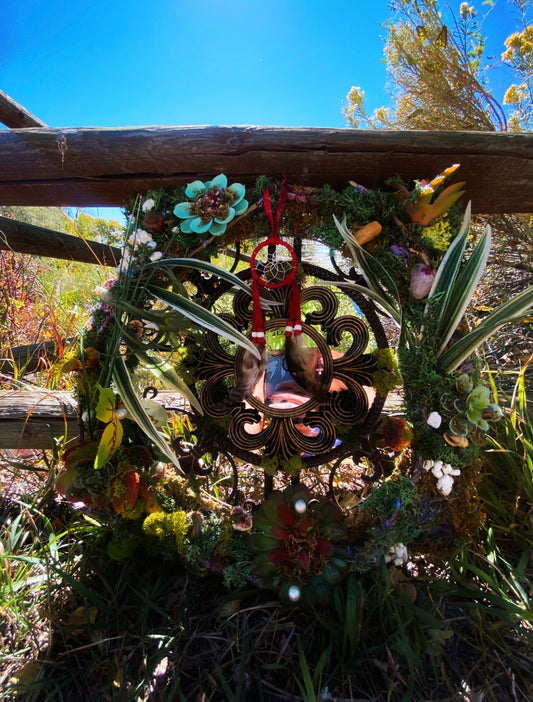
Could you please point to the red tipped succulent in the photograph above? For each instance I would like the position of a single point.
(125, 491)
(300, 544)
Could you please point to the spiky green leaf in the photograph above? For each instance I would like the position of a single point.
(131, 401)
(462, 290)
(376, 276)
(161, 369)
(393, 311)
(449, 266)
(513, 310)
(203, 266)
(203, 318)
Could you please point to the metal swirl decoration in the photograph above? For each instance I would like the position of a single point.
(318, 405)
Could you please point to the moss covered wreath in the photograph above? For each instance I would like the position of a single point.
(138, 469)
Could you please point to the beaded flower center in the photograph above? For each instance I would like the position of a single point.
(214, 204)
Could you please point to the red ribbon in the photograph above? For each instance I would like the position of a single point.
(275, 221)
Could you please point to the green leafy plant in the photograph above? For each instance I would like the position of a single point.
(452, 290)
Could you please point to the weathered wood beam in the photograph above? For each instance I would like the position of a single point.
(38, 241)
(34, 418)
(14, 115)
(105, 166)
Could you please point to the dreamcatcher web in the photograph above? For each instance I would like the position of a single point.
(278, 266)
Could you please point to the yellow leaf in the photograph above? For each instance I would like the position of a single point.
(110, 441)
(80, 617)
(105, 409)
(25, 676)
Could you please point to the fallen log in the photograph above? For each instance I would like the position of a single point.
(30, 357)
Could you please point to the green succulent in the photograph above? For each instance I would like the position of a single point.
(471, 409)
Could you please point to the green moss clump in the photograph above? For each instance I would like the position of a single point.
(394, 504)
(170, 529)
(387, 376)
(269, 465)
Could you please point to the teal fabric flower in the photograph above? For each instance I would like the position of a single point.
(213, 205)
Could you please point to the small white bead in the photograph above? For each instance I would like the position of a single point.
(434, 420)
(445, 484)
(437, 469)
(300, 506)
(294, 593)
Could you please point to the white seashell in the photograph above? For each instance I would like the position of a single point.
(445, 484)
(434, 420)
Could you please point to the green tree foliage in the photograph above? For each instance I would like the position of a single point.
(58, 219)
(43, 299)
(439, 72)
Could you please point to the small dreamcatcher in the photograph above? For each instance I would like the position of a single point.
(277, 272)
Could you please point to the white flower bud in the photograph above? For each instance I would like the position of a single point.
(148, 205)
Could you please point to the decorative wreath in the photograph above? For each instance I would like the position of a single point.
(153, 472)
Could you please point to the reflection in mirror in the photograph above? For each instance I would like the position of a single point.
(296, 372)
(287, 380)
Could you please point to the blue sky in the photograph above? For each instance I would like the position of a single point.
(169, 62)
(282, 62)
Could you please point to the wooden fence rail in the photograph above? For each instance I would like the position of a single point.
(32, 419)
(105, 166)
(38, 241)
(16, 116)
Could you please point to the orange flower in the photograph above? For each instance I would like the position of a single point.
(425, 209)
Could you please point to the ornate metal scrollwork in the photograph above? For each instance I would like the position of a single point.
(314, 400)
